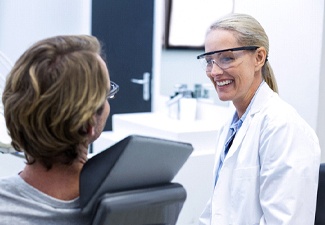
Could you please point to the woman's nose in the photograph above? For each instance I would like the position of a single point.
(216, 69)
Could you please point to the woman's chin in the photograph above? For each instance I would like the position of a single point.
(224, 98)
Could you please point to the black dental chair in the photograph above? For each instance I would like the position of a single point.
(130, 183)
(320, 206)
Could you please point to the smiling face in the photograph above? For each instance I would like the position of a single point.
(238, 83)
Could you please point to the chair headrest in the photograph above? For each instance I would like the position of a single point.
(132, 163)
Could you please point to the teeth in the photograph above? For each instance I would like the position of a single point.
(222, 83)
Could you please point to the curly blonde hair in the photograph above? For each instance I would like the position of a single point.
(51, 95)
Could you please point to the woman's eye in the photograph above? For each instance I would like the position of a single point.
(226, 58)
(209, 62)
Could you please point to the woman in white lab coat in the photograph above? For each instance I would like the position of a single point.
(269, 174)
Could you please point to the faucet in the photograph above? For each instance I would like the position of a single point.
(174, 102)
(180, 92)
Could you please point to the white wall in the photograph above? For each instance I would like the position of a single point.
(321, 100)
(24, 22)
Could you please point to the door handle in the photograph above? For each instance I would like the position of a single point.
(145, 82)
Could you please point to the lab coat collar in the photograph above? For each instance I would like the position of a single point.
(262, 98)
(264, 94)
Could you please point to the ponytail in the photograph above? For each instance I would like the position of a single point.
(269, 77)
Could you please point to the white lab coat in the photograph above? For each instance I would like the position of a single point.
(270, 174)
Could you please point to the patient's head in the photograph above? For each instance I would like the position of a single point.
(55, 98)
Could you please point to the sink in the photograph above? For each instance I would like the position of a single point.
(200, 133)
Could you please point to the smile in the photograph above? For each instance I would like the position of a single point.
(222, 83)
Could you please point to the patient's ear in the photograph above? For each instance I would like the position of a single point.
(90, 133)
(91, 130)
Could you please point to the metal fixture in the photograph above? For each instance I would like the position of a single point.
(146, 85)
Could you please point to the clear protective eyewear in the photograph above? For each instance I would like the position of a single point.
(113, 90)
(224, 59)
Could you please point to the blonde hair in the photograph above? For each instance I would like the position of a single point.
(51, 95)
(248, 32)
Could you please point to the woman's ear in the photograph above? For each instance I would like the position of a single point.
(260, 58)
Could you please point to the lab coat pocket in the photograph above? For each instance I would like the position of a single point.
(244, 196)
